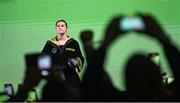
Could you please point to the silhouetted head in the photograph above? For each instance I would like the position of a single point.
(54, 91)
(142, 77)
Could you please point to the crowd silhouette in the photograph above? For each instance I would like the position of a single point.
(143, 77)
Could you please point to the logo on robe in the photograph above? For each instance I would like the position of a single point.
(54, 50)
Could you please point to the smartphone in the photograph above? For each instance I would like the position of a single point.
(40, 61)
(8, 89)
(131, 23)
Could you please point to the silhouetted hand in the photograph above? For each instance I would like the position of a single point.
(32, 78)
(113, 31)
(152, 28)
(86, 38)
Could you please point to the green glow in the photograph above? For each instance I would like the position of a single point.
(31, 96)
(25, 25)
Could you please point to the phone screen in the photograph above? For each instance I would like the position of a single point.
(131, 23)
(44, 62)
(8, 89)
